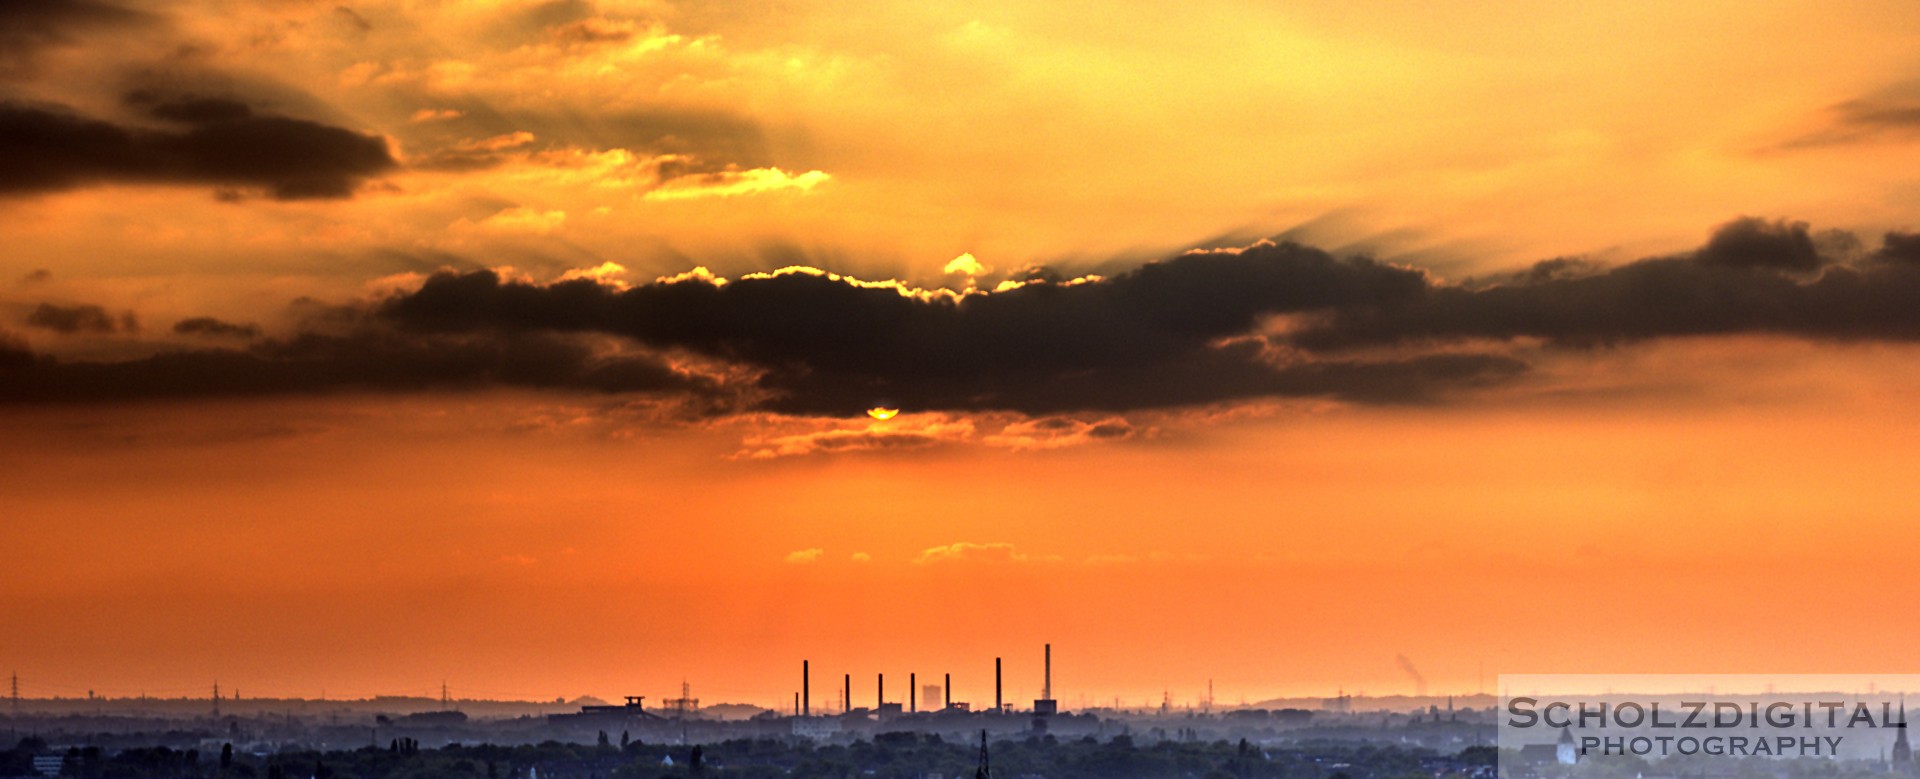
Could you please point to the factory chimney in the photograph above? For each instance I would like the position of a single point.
(913, 693)
(1046, 705)
(806, 690)
(949, 691)
(880, 693)
(997, 706)
(846, 694)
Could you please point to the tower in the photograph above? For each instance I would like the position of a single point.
(913, 693)
(806, 692)
(1902, 759)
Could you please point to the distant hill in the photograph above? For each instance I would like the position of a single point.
(587, 700)
(1379, 702)
(731, 711)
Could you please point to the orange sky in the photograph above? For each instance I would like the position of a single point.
(1728, 497)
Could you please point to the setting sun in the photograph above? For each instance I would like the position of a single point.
(883, 414)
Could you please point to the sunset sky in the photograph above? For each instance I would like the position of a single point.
(528, 345)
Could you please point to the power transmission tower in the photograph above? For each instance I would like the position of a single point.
(985, 771)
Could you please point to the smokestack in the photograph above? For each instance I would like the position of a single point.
(806, 690)
(1046, 690)
(880, 693)
(996, 685)
(796, 704)
(846, 694)
(948, 691)
(913, 693)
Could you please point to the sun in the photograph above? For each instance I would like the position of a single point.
(883, 414)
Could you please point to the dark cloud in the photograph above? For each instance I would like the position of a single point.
(1751, 278)
(208, 326)
(29, 26)
(1267, 321)
(366, 361)
(14, 353)
(1145, 338)
(1751, 242)
(352, 18)
(1890, 115)
(1900, 247)
(81, 319)
(49, 148)
(37, 275)
(189, 109)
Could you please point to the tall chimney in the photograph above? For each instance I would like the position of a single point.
(996, 685)
(880, 693)
(846, 694)
(1046, 691)
(806, 690)
(948, 691)
(796, 704)
(913, 693)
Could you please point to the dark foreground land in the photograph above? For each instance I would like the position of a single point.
(914, 755)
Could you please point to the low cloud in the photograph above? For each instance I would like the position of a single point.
(805, 556)
(1059, 432)
(968, 552)
(368, 361)
(862, 439)
(1752, 278)
(82, 318)
(214, 328)
(214, 142)
(734, 181)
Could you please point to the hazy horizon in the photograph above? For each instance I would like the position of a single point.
(354, 347)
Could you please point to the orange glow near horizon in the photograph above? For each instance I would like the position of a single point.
(1285, 554)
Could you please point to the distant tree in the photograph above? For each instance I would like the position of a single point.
(693, 760)
(226, 756)
(603, 740)
(625, 739)
(1481, 755)
(276, 772)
